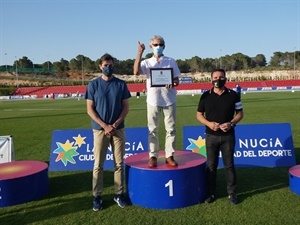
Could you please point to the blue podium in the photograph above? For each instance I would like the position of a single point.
(294, 179)
(166, 187)
(22, 181)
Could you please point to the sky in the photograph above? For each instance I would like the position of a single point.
(51, 30)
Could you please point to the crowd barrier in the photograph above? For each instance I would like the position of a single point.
(179, 92)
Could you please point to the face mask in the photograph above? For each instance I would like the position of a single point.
(219, 83)
(158, 50)
(108, 70)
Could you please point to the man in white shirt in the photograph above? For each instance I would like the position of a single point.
(159, 99)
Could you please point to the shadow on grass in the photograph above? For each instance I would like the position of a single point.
(69, 193)
(66, 183)
(254, 181)
(297, 152)
(67, 208)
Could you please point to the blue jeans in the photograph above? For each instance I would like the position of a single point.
(215, 144)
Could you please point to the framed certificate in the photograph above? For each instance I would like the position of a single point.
(160, 77)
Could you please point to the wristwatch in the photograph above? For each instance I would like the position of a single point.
(232, 124)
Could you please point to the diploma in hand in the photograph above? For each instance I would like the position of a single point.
(160, 77)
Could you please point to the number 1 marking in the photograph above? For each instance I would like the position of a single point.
(170, 185)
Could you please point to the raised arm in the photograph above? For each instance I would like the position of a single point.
(137, 63)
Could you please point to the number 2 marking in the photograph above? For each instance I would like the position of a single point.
(170, 185)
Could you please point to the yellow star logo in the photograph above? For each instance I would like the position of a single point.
(79, 140)
(200, 141)
(66, 146)
(197, 146)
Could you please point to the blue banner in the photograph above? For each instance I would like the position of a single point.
(73, 149)
(257, 145)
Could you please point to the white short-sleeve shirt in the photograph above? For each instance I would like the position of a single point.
(160, 96)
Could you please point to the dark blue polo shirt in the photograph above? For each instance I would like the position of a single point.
(107, 97)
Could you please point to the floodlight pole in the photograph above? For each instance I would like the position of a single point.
(295, 64)
(82, 70)
(33, 67)
(220, 59)
(17, 72)
(48, 62)
(5, 61)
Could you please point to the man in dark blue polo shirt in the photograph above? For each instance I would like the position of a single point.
(107, 101)
(220, 109)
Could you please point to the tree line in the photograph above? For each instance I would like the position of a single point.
(234, 62)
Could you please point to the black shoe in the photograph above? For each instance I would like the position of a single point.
(120, 200)
(97, 203)
(209, 199)
(233, 199)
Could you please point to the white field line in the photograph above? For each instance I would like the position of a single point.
(9, 110)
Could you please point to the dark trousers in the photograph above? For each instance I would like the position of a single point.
(215, 144)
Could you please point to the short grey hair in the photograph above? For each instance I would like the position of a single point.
(157, 37)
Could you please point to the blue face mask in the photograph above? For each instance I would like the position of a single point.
(108, 70)
(158, 50)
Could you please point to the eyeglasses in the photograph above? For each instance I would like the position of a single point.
(155, 45)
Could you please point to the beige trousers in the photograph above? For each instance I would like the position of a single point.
(153, 116)
(101, 144)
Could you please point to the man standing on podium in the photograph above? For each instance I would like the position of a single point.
(159, 99)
